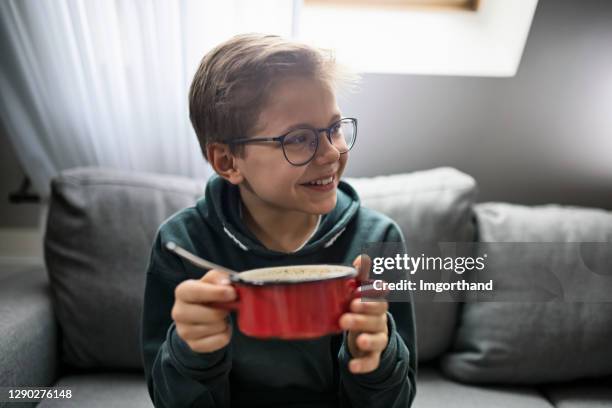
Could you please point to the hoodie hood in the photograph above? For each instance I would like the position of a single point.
(221, 207)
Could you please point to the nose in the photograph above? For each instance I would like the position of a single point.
(327, 152)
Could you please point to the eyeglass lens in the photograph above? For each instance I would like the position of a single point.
(300, 145)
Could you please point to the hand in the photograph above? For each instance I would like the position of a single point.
(367, 326)
(204, 328)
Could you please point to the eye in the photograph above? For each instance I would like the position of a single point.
(295, 139)
(299, 138)
(336, 130)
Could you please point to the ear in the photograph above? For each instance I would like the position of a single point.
(223, 162)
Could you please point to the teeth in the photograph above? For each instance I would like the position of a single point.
(322, 182)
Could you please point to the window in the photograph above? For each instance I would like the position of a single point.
(488, 41)
(471, 5)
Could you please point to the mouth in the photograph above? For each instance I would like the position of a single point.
(325, 183)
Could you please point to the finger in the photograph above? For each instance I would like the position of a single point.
(216, 276)
(363, 264)
(193, 313)
(194, 291)
(363, 323)
(370, 289)
(372, 342)
(198, 331)
(211, 343)
(369, 307)
(365, 364)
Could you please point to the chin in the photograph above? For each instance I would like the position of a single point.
(325, 207)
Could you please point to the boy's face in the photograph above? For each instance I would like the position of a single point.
(268, 176)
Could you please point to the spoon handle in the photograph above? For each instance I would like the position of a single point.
(196, 260)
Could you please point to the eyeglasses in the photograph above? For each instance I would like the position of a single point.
(300, 145)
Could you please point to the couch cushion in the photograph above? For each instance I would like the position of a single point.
(102, 390)
(28, 330)
(100, 229)
(434, 390)
(581, 394)
(539, 341)
(430, 206)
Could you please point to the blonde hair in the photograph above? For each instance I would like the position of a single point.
(234, 81)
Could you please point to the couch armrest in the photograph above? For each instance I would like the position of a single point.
(28, 329)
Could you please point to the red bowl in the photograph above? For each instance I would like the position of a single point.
(296, 307)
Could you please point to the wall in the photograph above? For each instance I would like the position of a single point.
(11, 175)
(20, 235)
(543, 136)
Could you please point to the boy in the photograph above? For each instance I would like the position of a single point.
(276, 201)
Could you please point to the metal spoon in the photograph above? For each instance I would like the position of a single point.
(197, 261)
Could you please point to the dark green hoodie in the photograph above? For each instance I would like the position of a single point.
(252, 372)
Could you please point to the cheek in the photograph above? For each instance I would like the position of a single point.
(343, 161)
(271, 177)
(261, 165)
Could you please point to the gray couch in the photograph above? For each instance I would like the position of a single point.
(75, 324)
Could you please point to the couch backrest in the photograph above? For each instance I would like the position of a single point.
(552, 266)
(100, 229)
(101, 225)
(430, 206)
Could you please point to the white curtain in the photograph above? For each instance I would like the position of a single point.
(105, 82)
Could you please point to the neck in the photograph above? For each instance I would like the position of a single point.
(277, 228)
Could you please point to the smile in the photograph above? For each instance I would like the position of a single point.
(323, 185)
(321, 182)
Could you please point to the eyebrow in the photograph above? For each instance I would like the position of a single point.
(299, 125)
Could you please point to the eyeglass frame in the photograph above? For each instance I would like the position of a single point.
(281, 139)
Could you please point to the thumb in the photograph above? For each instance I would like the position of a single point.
(363, 263)
(216, 276)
